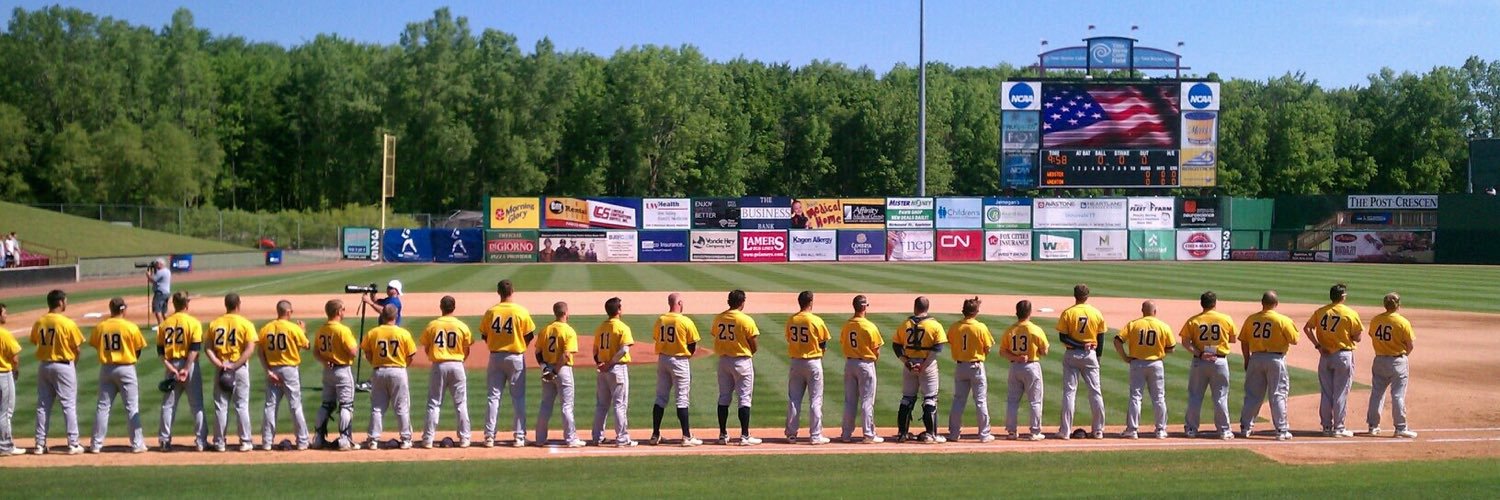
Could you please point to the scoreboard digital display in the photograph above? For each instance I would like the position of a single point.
(1109, 167)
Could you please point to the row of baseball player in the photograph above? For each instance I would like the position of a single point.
(507, 330)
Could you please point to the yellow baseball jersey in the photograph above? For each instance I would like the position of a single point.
(446, 339)
(1209, 331)
(970, 340)
(672, 333)
(9, 348)
(918, 338)
(118, 340)
(1335, 326)
(732, 331)
(804, 332)
(334, 343)
(57, 338)
(1269, 331)
(505, 327)
(860, 339)
(1082, 323)
(612, 336)
(557, 340)
(1024, 339)
(388, 346)
(229, 336)
(177, 334)
(1390, 331)
(281, 342)
(1147, 338)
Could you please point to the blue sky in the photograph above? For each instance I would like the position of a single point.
(1338, 43)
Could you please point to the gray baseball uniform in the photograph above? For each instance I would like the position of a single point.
(56, 382)
(969, 380)
(389, 385)
(1025, 379)
(506, 372)
(1266, 371)
(194, 390)
(290, 389)
(612, 394)
(674, 375)
(1388, 372)
(923, 384)
(1082, 363)
(447, 377)
(115, 380)
(561, 385)
(7, 410)
(1206, 375)
(1335, 378)
(859, 395)
(805, 379)
(736, 377)
(338, 392)
(240, 397)
(1146, 376)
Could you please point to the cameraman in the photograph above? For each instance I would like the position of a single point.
(392, 297)
(160, 279)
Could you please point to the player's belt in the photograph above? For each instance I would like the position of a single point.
(971, 361)
(504, 352)
(1027, 362)
(63, 362)
(1390, 355)
(1346, 350)
(336, 366)
(1278, 353)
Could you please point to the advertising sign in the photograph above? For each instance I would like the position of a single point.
(1198, 212)
(1068, 213)
(614, 213)
(713, 246)
(909, 246)
(515, 213)
(1153, 245)
(1105, 245)
(813, 245)
(1020, 130)
(1007, 213)
(716, 213)
(1200, 149)
(909, 213)
(1383, 246)
(1151, 213)
(1110, 52)
(458, 245)
(1007, 246)
(1260, 255)
(512, 245)
(960, 213)
(861, 246)
(1397, 202)
(1308, 256)
(359, 243)
(570, 213)
(845, 213)
(1055, 245)
(762, 246)
(666, 213)
(960, 245)
(1200, 244)
(1200, 96)
(407, 245)
(1018, 169)
(765, 212)
(1021, 96)
(664, 246)
(587, 246)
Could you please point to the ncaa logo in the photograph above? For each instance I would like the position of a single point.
(1200, 96)
(1021, 96)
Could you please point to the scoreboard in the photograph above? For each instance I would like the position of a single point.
(1109, 168)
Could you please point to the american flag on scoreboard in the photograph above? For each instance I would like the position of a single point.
(1125, 116)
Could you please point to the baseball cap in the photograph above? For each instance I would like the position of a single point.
(395, 284)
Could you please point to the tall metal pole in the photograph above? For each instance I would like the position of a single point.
(922, 98)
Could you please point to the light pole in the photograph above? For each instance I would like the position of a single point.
(922, 98)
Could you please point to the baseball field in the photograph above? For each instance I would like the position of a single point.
(1453, 402)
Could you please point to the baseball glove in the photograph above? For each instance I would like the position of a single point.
(167, 385)
(226, 381)
(548, 375)
(913, 365)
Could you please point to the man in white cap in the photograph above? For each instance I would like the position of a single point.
(160, 279)
(392, 297)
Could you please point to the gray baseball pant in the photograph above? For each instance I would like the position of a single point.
(736, 378)
(1146, 376)
(1081, 363)
(1266, 372)
(115, 380)
(194, 390)
(805, 379)
(859, 395)
(56, 382)
(1205, 375)
(674, 375)
(1335, 378)
(507, 371)
(290, 389)
(1388, 372)
(923, 384)
(562, 385)
(7, 410)
(1025, 379)
(612, 394)
(389, 385)
(240, 397)
(338, 393)
(447, 378)
(969, 378)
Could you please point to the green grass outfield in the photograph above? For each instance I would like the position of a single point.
(770, 389)
(91, 238)
(1216, 473)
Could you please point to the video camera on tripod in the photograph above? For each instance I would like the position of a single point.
(361, 386)
(361, 289)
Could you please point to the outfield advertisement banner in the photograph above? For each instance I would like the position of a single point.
(716, 213)
(1105, 245)
(588, 246)
(909, 246)
(812, 246)
(1153, 245)
(361, 243)
(1007, 213)
(1152, 213)
(515, 213)
(762, 246)
(614, 213)
(1402, 247)
(1055, 245)
(713, 246)
(960, 213)
(458, 245)
(1201, 244)
(1261, 255)
(511, 245)
(407, 245)
(844, 213)
(1007, 246)
(908, 213)
(960, 245)
(1063, 213)
(1198, 212)
(1397, 202)
(862, 246)
(765, 212)
(572, 213)
(666, 213)
(664, 246)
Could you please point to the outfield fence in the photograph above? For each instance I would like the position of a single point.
(287, 229)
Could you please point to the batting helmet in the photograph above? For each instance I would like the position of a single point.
(226, 381)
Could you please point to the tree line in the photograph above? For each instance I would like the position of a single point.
(97, 110)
